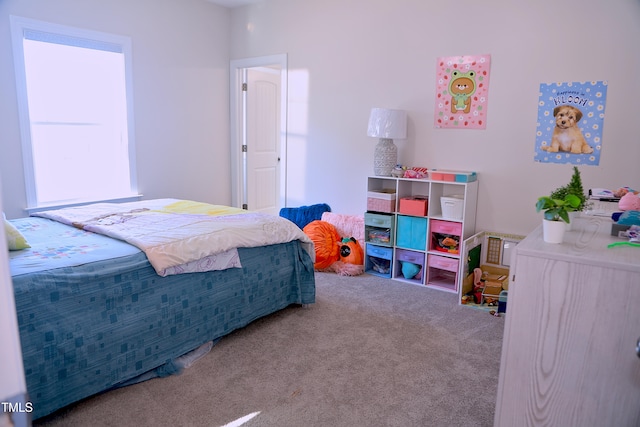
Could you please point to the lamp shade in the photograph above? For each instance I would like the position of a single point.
(386, 123)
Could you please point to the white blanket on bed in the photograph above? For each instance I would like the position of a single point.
(182, 236)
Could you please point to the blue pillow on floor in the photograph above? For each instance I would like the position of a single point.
(303, 215)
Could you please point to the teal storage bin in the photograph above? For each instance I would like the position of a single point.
(379, 229)
(411, 232)
(466, 176)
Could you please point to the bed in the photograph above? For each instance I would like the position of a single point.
(98, 308)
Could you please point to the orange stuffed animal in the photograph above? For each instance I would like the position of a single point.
(333, 253)
(325, 239)
(351, 251)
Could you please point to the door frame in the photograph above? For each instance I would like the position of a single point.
(237, 118)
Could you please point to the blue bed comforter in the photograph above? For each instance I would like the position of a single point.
(86, 327)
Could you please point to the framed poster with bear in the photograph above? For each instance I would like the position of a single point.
(462, 91)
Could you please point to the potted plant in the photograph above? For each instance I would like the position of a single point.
(556, 215)
(574, 187)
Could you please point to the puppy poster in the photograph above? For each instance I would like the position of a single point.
(570, 121)
(462, 91)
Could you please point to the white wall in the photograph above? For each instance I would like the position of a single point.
(181, 92)
(346, 56)
(11, 368)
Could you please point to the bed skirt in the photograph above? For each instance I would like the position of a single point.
(89, 328)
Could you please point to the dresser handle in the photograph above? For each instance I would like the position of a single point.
(638, 347)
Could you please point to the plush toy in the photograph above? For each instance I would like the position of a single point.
(351, 251)
(343, 256)
(622, 191)
(351, 261)
(410, 270)
(325, 239)
(629, 202)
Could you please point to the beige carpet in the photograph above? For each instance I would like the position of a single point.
(370, 352)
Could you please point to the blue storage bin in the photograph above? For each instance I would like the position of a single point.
(411, 232)
(378, 261)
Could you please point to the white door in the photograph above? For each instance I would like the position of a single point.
(258, 107)
(263, 140)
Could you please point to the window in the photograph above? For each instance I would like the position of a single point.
(76, 114)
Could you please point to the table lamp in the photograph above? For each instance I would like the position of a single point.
(387, 125)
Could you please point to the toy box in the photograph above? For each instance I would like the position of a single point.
(416, 205)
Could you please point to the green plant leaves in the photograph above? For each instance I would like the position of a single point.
(558, 209)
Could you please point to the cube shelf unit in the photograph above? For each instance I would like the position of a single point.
(407, 236)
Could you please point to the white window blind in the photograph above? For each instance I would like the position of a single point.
(76, 114)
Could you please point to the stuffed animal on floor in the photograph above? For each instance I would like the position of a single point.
(350, 251)
(341, 255)
(325, 239)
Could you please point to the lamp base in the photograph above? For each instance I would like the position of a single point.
(385, 157)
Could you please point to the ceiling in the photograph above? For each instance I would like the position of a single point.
(233, 3)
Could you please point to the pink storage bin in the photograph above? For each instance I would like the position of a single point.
(445, 236)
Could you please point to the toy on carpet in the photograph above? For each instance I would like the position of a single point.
(324, 237)
(341, 255)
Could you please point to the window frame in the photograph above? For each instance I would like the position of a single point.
(18, 27)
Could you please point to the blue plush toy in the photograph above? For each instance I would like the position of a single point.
(409, 269)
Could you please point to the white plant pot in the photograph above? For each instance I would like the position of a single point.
(572, 218)
(553, 231)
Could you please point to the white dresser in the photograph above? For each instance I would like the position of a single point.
(571, 331)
